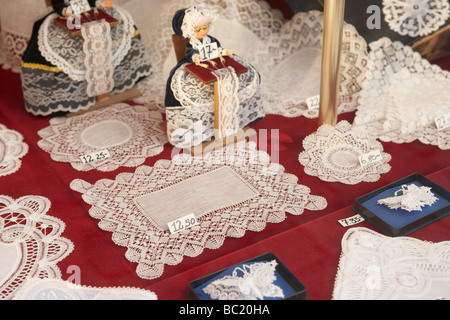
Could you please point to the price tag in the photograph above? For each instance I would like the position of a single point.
(442, 122)
(313, 102)
(351, 221)
(183, 223)
(95, 156)
(79, 6)
(209, 51)
(371, 157)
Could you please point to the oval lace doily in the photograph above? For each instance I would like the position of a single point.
(402, 95)
(127, 207)
(30, 243)
(332, 154)
(415, 17)
(376, 267)
(12, 149)
(130, 134)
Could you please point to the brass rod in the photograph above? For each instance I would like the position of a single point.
(331, 57)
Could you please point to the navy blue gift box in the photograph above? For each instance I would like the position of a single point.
(292, 288)
(399, 222)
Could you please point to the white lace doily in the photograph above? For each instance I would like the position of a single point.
(332, 154)
(130, 134)
(261, 193)
(243, 26)
(376, 267)
(12, 149)
(30, 242)
(415, 17)
(57, 289)
(402, 95)
(291, 69)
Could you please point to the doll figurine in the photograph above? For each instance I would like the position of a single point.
(189, 102)
(54, 68)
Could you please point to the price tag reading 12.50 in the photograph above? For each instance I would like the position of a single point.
(183, 223)
(370, 157)
(95, 156)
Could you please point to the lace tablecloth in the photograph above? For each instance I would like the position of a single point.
(332, 154)
(376, 267)
(230, 191)
(291, 66)
(129, 134)
(12, 149)
(402, 95)
(30, 243)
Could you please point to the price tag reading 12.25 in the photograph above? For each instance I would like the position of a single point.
(370, 157)
(95, 156)
(183, 223)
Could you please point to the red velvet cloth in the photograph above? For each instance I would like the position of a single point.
(309, 244)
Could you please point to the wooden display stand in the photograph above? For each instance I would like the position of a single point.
(205, 75)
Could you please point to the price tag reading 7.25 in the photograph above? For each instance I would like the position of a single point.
(183, 223)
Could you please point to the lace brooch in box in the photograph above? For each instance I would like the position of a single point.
(247, 282)
(410, 198)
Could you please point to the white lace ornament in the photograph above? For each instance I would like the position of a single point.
(415, 17)
(12, 149)
(250, 282)
(402, 95)
(239, 191)
(410, 198)
(332, 154)
(97, 47)
(376, 267)
(130, 134)
(30, 243)
(57, 289)
(291, 66)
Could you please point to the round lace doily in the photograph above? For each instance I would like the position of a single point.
(57, 289)
(291, 69)
(332, 154)
(415, 17)
(12, 149)
(376, 267)
(130, 134)
(30, 243)
(135, 207)
(402, 95)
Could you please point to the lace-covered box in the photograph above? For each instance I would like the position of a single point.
(404, 220)
(262, 278)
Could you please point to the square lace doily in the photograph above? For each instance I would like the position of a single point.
(376, 267)
(268, 193)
